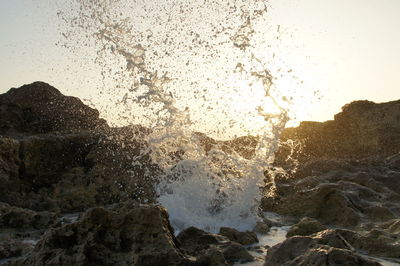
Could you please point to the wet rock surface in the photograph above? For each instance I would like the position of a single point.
(194, 241)
(56, 154)
(21, 219)
(349, 196)
(58, 157)
(244, 238)
(342, 173)
(306, 226)
(325, 248)
(139, 235)
(362, 129)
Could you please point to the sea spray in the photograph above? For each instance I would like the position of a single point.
(175, 65)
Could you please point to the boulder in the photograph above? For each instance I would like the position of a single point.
(41, 108)
(328, 247)
(350, 195)
(306, 226)
(362, 129)
(132, 235)
(70, 165)
(244, 238)
(10, 247)
(22, 219)
(331, 257)
(194, 240)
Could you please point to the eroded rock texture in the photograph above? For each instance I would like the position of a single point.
(132, 235)
(57, 154)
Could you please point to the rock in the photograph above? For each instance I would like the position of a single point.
(392, 226)
(41, 108)
(235, 252)
(45, 157)
(10, 247)
(332, 257)
(393, 161)
(138, 235)
(306, 226)
(23, 219)
(57, 154)
(211, 256)
(9, 169)
(361, 130)
(328, 247)
(244, 238)
(379, 243)
(263, 227)
(323, 202)
(353, 193)
(194, 240)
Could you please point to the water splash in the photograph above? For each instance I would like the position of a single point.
(174, 63)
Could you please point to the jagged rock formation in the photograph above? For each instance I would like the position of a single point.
(344, 173)
(41, 108)
(128, 234)
(342, 193)
(57, 154)
(244, 238)
(325, 248)
(195, 241)
(132, 235)
(306, 226)
(362, 129)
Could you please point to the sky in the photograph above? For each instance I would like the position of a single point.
(333, 52)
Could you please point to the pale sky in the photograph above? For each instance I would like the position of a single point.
(342, 50)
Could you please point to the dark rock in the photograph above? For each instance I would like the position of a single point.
(306, 226)
(244, 238)
(347, 196)
(379, 243)
(23, 219)
(263, 227)
(325, 248)
(131, 236)
(71, 172)
(9, 168)
(332, 257)
(41, 108)
(392, 226)
(10, 247)
(194, 240)
(361, 130)
(211, 257)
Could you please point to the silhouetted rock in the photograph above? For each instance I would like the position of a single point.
(56, 154)
(41, 108)
(362, 129)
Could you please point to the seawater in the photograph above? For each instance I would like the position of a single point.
(178, 67)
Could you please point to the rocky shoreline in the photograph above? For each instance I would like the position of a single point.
(70, 195)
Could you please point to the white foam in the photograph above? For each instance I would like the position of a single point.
(186, 48)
